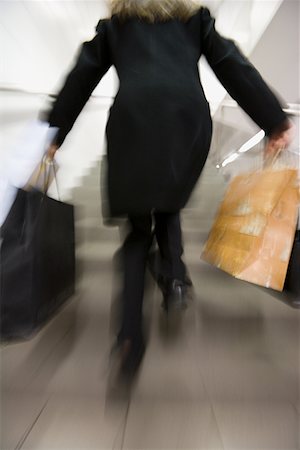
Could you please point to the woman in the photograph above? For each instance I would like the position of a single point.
(159, 130)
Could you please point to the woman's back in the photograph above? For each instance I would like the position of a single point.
(159, 126)
(150, 53)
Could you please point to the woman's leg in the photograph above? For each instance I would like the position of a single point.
(134, 255)
(169, 239)
(173, 279)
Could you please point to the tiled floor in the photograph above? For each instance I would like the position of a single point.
(227, 379)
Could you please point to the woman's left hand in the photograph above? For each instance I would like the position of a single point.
(51, 152)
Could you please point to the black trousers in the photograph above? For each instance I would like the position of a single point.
(135, 252)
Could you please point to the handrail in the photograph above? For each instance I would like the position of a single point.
(293, 109)
(20, 90)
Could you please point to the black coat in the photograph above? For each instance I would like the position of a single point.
(159, 127)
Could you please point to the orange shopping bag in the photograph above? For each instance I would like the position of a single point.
(254, 230)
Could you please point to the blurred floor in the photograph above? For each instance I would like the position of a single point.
(229, 379)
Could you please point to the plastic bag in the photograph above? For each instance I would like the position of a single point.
(253, 233)
(236, 151)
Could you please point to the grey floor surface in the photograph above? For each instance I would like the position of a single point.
(227, 379)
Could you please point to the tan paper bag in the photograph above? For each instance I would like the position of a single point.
(254, 230)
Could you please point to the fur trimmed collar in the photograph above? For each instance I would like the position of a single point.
(155, 10)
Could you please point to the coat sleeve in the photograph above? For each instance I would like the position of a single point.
(240, 78)
(92, 63)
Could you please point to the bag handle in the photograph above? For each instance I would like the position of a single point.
(51, 163)
(48, 165)
(269, 160)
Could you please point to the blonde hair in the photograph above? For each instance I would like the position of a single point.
(155, 10)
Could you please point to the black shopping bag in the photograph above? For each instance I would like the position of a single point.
(37, 262)
(291, 290)
(292, 281)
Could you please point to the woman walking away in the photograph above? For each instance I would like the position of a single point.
(158, 132)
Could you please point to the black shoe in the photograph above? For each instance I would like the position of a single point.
(174, 293)
(154, 266)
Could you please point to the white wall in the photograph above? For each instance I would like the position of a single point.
(277, 58)
(277, 54)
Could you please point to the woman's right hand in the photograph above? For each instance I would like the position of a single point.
(280, 139)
